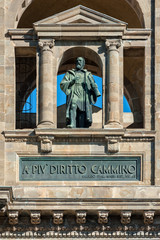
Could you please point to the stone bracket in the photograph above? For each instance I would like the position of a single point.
(35, 217)
(148, 217)
(126, 217)
(112, 144)
(46, 143)
(57, 217)
(81, 217)
(13, 217)
(103, 217)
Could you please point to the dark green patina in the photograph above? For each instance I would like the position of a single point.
(120, 168)
(82, 91)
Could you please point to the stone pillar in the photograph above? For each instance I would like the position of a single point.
(113, 86)
(46, 84)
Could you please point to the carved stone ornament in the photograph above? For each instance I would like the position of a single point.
(57, 217)
(113, 44)
(103, 217)
(46, 45)
(148, 217)
(35, 217)
(126, 217)
(81, 217)
(13, 217)
(113, 145)
(46, 145)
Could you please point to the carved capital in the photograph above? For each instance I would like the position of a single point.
(126, 217)
(103, 217)
(148, 217)
(13, 217)
(35, 217)
(81, 217)
(57, 217)
(113, 44)
(46, 45)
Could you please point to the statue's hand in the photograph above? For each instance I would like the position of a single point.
(72, 82)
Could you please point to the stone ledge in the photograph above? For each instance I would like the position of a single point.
(69, 133)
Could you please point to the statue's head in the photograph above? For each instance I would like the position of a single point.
(80, 62)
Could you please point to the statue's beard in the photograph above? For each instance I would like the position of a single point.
(79, 67)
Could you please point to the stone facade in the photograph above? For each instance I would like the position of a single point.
(120, 42)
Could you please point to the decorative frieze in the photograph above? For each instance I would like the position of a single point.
(126, 217)
(103, 217)
(81, 217)
(148, 217)
(13, 217)
(35, 217)
(57, 217)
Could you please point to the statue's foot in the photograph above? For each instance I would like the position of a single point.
(70, 126)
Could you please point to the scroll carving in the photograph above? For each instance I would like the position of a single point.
(46, 45)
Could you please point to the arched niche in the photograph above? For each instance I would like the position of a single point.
(134, 78)
(94, 65)
(27, 12)
(134, 102)
(93, 62)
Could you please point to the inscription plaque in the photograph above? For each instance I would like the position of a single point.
(80, 168)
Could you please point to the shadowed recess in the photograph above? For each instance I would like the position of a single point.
(40, 9)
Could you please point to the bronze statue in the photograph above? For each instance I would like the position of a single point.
(82, 91)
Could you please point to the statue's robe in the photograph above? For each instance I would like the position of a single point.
(74, 93)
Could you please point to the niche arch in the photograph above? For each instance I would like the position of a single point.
(93, 63)
(22, 11)
(135, 104)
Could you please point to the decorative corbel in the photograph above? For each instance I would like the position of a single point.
(46, 143)
(126, 217)
(57, 217)
(103, 217)
(148, 217)
(13, 217)
(35, 217)
(112, 144)
(81, 217)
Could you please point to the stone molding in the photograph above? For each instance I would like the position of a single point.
(76, 135)
(130, 34)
